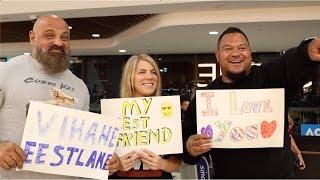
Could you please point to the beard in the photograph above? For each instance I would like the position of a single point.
(53, 62)
(236, 76)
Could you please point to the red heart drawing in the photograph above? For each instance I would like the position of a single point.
(267, 129)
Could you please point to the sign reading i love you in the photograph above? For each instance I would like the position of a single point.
(248, 118)
(65, 141)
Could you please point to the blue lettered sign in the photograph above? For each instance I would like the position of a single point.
(65, 141)
(310, 129)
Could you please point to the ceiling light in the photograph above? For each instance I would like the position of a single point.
(95, 35)
(70, 27)
(122, 50)
(213, 32)
(26, 53)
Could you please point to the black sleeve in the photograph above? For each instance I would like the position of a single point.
(189, 127)
(292, 70)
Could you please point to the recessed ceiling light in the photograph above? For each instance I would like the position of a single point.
(95, 35)
(122, 50)
(213, 32)
(70, 27)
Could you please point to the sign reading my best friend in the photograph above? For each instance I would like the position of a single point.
(251, 118)
(65, 141)
(153, 123)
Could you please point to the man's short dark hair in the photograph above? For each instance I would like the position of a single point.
(183, 98)
(230, 30)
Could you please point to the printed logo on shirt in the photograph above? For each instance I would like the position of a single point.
(203, 168)
(48, 83)
(60, 98)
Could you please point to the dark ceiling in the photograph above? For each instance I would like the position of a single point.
(82, 28)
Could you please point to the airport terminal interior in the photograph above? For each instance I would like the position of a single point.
(181, 36)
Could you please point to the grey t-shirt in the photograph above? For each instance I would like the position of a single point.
(22, 80)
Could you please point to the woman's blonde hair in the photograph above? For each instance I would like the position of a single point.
(129, 70)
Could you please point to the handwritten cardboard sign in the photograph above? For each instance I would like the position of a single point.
(65, 141)
(252, 118)
(153, 123)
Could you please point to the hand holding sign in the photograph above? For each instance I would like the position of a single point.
(154, 161)
(11, 155)
(113, 164)
(198, 144)
(127, 161)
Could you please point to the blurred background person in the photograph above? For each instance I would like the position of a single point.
(184, 104)
(299, 161)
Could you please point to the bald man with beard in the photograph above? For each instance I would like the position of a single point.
(34, 77)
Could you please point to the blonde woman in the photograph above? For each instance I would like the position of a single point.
(141, 78)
